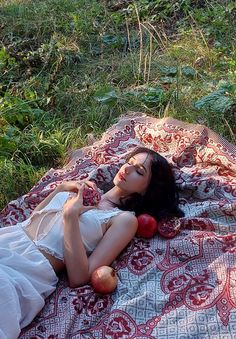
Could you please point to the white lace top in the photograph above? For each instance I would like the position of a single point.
(45, 227)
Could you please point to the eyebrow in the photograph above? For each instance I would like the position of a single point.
(140, 165)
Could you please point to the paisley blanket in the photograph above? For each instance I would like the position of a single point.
(179, 288)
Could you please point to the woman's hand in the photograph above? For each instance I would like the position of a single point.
(68, 186)
(74, 206)
(73, 186)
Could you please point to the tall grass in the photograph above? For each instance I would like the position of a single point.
(72, 67)
(17, 178)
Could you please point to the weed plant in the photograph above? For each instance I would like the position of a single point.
(69, 68)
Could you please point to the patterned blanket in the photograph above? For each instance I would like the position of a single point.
(179, 288)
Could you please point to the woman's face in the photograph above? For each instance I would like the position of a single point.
(135, 175)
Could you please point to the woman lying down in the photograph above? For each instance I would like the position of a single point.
(63, 234)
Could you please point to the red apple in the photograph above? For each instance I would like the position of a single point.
(104, 280)
(91, 197)
(147, 226)
(169, 228)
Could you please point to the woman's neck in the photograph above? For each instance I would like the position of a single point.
(113, 196)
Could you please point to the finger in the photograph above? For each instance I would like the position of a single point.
(80, 191)
(73, 186)
(88, 184)
(78, 186)
(92, 185)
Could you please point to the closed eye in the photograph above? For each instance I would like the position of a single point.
(140, 173)
(139, 170)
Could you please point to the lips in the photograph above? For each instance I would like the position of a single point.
(121, 176)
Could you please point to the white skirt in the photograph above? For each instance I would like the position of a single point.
(26, 279)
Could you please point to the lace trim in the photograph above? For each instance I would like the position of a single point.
(49, 251)
(106, 218)
(113, 213)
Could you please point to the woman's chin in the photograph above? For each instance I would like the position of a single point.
(121, 184)
(117, 181)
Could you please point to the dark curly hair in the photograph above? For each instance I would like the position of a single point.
(161, 198)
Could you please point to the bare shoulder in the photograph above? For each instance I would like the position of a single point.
(121, 231)
(126, 218)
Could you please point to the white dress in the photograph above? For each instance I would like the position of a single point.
(26, 276)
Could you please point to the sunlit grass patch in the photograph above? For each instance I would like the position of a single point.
(17, 178)
(72, 67)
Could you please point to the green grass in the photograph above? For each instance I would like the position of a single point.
(72, 67)
(17, 178)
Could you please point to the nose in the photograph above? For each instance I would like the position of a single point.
(127, 168)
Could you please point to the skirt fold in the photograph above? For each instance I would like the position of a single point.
(26, 279)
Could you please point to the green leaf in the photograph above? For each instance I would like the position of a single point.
(38, 112)
(154, 96)
(11, 131)
(106, 96)
(227, 87)
(7, 145)
(111, 40)
(216, 101)
(168, 71)
(132, 93)
(3, 57)
(231, 6)
(188, 71)
(18, 112)
(167, 80)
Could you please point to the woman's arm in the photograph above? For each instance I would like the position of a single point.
(79, 266)
(67, 186)
(75, 256)
(117, 237)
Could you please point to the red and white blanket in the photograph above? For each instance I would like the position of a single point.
(179, 288)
